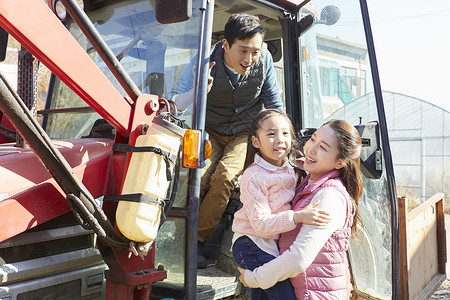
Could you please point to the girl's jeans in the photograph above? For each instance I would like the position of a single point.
(249, 256)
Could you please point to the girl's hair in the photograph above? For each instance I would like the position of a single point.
(349, 146)
(256, 126)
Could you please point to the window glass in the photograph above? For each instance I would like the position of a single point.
(154, 55)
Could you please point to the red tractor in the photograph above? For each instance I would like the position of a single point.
(115, 66)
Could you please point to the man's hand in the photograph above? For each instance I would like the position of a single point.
(300, 160)
(241, 276)
(210, 78)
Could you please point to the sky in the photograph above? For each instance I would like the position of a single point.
(412, 45)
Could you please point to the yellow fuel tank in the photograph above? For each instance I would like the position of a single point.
(147, 174)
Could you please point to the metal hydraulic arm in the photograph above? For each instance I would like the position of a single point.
(41, 33)
(45, 37)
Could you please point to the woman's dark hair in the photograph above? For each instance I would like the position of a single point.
(241, 27)
(349, 146)
(256, 126)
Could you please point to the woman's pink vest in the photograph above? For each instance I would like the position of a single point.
(327, 277)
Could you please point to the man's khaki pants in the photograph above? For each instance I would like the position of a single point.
(218, 179)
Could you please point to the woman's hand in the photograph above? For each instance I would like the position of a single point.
(241, 276)
(312, 216)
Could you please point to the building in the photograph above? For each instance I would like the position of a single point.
(343, 72)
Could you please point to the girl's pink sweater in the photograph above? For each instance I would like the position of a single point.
(266, 195)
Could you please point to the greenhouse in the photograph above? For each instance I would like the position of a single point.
(419, 138)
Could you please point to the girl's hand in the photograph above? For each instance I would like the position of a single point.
(241, 276)
(312, 216)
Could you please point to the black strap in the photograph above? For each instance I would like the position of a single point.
(137, 197)
(166, 155)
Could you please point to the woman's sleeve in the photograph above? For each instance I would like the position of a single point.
(306, 246)
(254, 198)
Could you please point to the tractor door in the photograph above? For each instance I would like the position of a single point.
(339, 80)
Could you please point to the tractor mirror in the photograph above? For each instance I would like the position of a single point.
(329, 15)
(173, 11)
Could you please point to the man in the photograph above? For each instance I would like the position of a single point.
(243, 83)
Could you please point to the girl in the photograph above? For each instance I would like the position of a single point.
(267, 188)
(316, 256)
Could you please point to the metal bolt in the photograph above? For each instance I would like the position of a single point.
(153, 105)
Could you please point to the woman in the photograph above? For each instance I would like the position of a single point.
(314, 257)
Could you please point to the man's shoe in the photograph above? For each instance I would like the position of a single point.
(202, 263)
